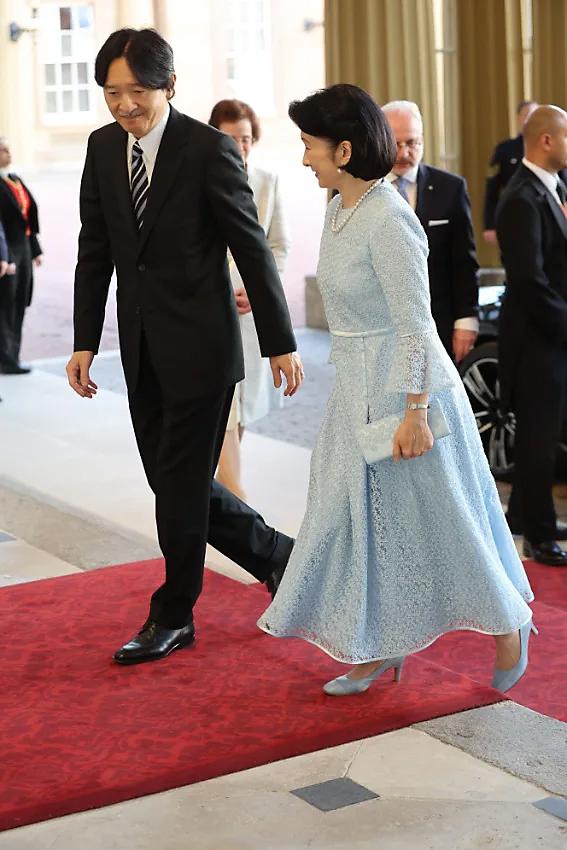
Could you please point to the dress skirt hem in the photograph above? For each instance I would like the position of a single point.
(399, 653)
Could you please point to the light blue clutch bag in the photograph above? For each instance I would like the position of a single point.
(376, 438)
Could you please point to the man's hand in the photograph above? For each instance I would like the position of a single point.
(11, 268)
(490, 237)
(78, 373)
(463, 341)
(37, 261)
(291, 366)
(242, 302)
(3, 267)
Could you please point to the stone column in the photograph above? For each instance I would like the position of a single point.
(17, 76)
(195, 65)
(135, 13)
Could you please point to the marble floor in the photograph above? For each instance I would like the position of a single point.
(73, 497)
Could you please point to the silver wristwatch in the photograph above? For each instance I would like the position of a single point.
(417, 405)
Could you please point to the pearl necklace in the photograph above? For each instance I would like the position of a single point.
(336, 228)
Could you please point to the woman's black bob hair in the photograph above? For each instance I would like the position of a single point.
(149, 56)
(347, 113)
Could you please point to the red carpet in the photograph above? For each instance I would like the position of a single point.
(544, 687)
(80, 732)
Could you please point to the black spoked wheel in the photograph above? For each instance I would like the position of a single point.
(479, 371)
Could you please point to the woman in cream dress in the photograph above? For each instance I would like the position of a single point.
(255, 396)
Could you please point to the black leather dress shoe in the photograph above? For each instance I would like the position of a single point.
(549, 552)
(154, 642)
(14, 370)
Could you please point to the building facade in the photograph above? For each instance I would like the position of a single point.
(263, 51)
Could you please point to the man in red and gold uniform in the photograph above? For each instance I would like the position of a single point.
(18, 213)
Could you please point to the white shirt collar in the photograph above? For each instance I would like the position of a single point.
(410, 176)
(548, 179)
(150, 142)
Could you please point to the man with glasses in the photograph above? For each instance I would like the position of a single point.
(441, 203)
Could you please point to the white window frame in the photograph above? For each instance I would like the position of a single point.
(82, 52)
(447, 81)
(248, 53)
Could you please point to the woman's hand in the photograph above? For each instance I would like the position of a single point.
(413, 438)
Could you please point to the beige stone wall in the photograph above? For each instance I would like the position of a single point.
(196, 33)
(195, 29)
(17, 81)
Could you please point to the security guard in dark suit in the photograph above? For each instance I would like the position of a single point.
(505, 160)
(532, 233)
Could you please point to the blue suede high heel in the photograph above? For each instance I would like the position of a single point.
(344, 686)
(503, 680)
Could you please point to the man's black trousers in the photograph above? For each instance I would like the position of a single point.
(539, 405)
(179, 443)
(15, 293)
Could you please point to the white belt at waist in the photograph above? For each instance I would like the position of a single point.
(376, 332)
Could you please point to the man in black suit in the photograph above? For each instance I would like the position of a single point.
(504, 162)
(441, 202)
(532, 233)
(162, 197)
(18, 212)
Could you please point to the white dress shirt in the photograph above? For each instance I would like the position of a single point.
(468, 323)
(548, 179)
(150, 145)
(411, 189)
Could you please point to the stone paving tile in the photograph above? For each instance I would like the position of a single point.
(334, 794)
(553, 806)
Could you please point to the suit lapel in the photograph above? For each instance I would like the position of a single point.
(556, 211)
(119, 177)
(425, 193)
(166, 166)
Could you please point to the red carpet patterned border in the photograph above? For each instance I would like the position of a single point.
(544, 687)
(80, 732)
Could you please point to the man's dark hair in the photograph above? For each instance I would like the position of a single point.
(347, 113)
(523, 103)
(148, 55)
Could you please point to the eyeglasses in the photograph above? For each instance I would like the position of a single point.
(411, 144)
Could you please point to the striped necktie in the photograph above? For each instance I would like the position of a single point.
(139, 184)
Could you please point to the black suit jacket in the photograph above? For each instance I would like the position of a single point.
(506, 159)
(14, 222)
(173, 276)
(532, 233)
(15, 228)
(453, 268)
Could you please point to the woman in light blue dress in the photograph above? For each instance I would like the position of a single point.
(395, 553)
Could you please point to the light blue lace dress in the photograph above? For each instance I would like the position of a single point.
(391, 556)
